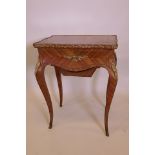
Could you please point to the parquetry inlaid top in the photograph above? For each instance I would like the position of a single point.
(79, 41)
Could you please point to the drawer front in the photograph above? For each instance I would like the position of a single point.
(91, 53)
(75, 59)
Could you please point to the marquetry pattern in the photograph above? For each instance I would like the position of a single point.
(77, 60)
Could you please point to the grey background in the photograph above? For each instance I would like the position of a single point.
(78, 126)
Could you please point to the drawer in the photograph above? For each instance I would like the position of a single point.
(75, 59)
(82, 52)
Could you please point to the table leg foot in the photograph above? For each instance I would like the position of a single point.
(50, 125)
(107, 133)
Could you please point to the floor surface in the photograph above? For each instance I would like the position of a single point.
(78, 127)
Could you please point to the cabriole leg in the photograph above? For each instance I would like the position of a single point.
(39, 73)
(58, 76)
(112, 82)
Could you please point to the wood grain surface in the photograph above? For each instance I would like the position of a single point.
(79, 41)
(77, 56)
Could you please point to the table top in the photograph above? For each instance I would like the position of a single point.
(79, 41)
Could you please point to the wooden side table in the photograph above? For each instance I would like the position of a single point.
(77, 55)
